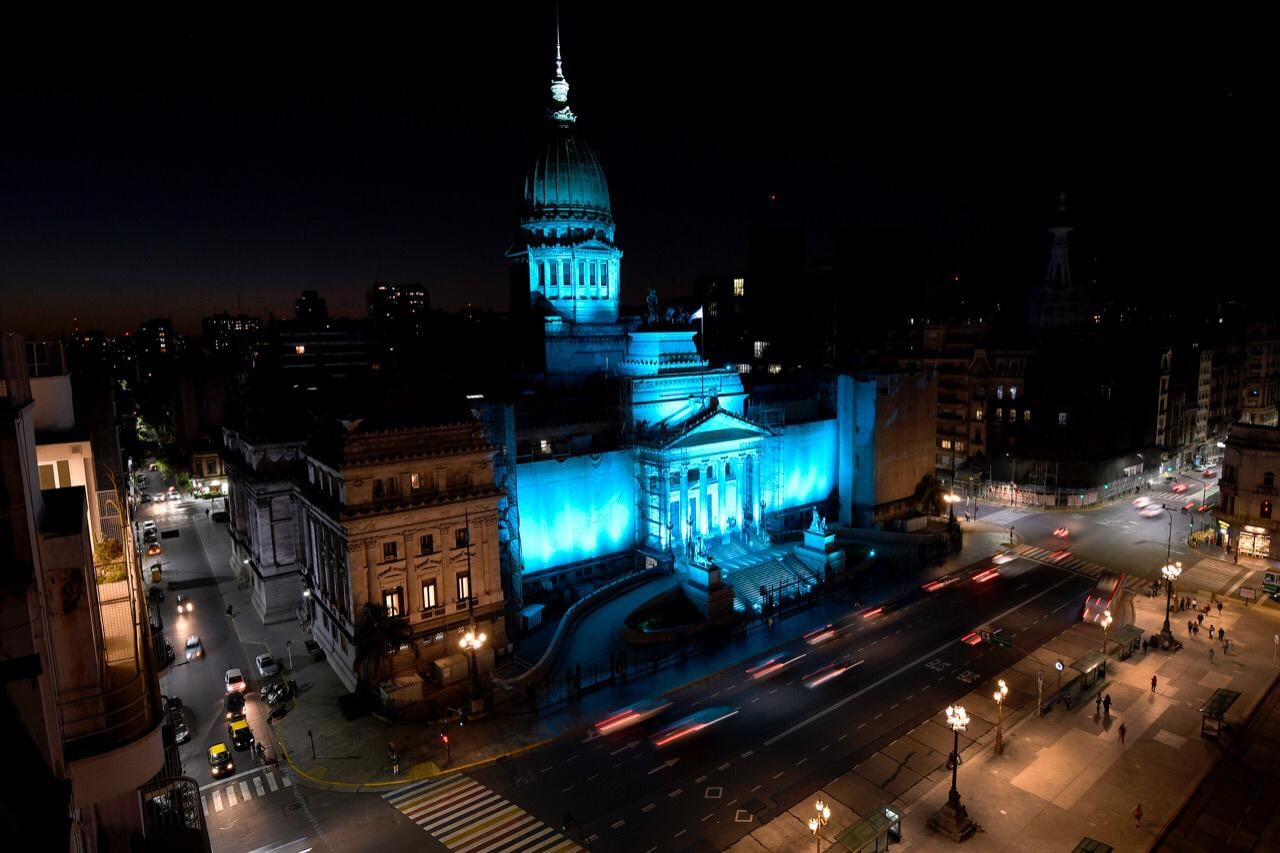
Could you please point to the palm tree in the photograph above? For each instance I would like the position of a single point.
(929, 495)
(377, 638)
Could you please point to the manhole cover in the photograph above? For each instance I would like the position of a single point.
(293, 807)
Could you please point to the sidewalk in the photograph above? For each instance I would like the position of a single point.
(1064, 776)
(353, 755)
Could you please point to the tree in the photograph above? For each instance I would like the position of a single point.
(377, 638)
(108, 561)
(929, 495)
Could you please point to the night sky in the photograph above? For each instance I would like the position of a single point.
(166, 170)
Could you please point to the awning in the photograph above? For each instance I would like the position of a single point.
(1089, 662)
(1126, 635)
(1216, 706)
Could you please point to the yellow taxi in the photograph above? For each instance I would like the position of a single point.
(240, 734)
(220, 761)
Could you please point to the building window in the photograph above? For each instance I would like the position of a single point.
(775, 369)
(739, 287)
(999, 414)
(299, 349)
(1062, 418)
(1268, 479)
(946, 444)
(1264, 510)
(427, 543)
(999, 392)
(377, 489)
(544, 445)
(393, 486)
(429, 595)
(460, 538)
(759, 348)
(1026, 416)
(604, 280)
(415, 482)
(390, 551)
(46, 477)
(1013, 392)
(464, 586)
(745, 367)
(393, 600)
(977, 414)
(959, 446)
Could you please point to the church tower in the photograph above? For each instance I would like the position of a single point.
(1058, 303)
(566, 243)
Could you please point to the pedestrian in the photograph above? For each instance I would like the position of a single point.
(1226, 646)
(229, 610)
(1200, 618)
(1211, 654)
(1153, 684)
(1219, 608)
(1195, 604)
(1098, 705)
(1123, 732)
(1213, 632)
(1222, 633)
(1106, 705)
(1137, 815)
(1191, 627)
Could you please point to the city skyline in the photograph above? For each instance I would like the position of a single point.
(217, 188)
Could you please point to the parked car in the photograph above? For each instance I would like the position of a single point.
(267, 665)
(194, 648)
(155, 592)
(149, 536)
(168, 651)
(234, 680)
(148, 526)
(235, 706)
(144, 498)
(181, 732)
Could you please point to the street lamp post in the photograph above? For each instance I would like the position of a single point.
(999, 695)
(1106, 625)
(471, 641)
(818, 821)
(953, 820)
(1170, 572)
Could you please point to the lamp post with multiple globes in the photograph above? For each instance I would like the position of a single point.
(1170, 574)
(953, 820)
(818, 821)
(1001, 692)
(1106, 625)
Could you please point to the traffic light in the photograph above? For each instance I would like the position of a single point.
(444, 738)
(1266, 509)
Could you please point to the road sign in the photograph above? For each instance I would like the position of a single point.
(1248, 592)
(1059, 665)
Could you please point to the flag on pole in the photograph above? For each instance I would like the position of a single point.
(697, 315)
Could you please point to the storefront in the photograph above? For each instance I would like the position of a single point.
(1254, 541)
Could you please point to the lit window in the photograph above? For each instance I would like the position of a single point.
(393, 600)
(999, 414)
(389, 550)
(977, 414)
(739, 287)
(946, 444)
(1013, 392)
(464, 586)
(775, 369)
(544, 445)
(415, 482)
(429, 599)
(745, 367)
(999, 392)
(299, 349)
(959, 446)
(1026, 416)
(1062, 418)
(760, 348)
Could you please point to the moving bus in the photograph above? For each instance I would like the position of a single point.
(1101, 597)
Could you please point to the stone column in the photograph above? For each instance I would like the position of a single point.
(683, 520)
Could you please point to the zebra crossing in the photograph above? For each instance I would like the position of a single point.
(468, 817)
(1070, 562)
(1219, 576)
(1003, 517)
(233, 792)
(1173, 500)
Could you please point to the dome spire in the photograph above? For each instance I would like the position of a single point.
(560, 111)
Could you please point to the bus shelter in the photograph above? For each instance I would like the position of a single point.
(1127, 639)
(1214, 709)
(1091, 667)
(873, 833)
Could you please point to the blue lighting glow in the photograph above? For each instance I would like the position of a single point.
(808, 458)
(576, 509)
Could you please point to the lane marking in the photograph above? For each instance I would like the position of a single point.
(257, 783)
(775, 777)
(619, 823)
(708, 817)
(649, 807)
(680, 833)
(923, 658)
(748, 753)
(217, 801)
(801, 761)
(677, 792)
(271, 781)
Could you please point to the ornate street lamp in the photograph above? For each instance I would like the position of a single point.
(472, 642)
(999, 695)
(1106, 625)
(953, 820)
(818, 821)
(1170, 574)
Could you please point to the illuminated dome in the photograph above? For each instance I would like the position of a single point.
(564, 181)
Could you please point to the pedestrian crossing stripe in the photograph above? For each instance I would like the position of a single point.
(239, 792)
(467, 817)
(1074, 564)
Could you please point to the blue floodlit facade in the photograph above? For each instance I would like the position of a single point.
(698, 466)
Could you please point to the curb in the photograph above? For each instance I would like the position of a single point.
(367, 787)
